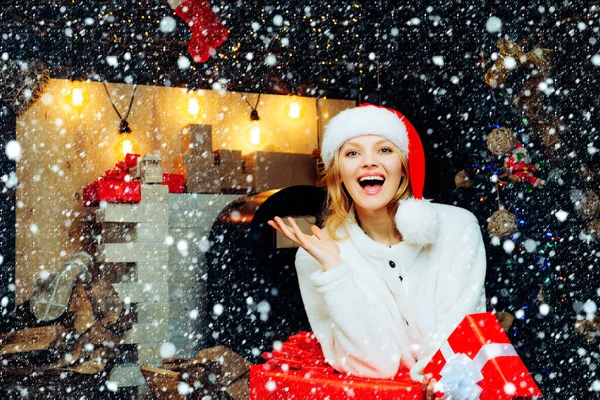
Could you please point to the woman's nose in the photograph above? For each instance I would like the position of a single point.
(369, 159)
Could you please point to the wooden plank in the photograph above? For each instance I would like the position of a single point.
(153, 312)
(146, 333)
(126, 375)
(132, 252)
(140, 212)
(155, 193)
(152, 272)
(150, 292)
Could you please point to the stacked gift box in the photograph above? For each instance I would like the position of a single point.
(134, 256)
(206, 171)
(228, 171)
(199, 164)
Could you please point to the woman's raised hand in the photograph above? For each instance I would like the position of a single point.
(321, 247)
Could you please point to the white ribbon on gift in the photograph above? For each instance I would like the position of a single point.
(461, 373)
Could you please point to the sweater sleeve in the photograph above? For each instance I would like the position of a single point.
(460, 290)
(355, 332)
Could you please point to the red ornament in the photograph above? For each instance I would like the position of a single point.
(519, 167)
(207, 30)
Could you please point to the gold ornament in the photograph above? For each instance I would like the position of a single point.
(539, 58)
(501, 141)
(590, 329)
(461, 180)
(540, 296)
(497, 74)
(589, 205)
(593, 229)
(502, 223)
(508, 48)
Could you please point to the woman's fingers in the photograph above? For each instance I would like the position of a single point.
(428, 384)
(424, 383)
(285, 230)
(318, 232)
(299, 234)
(431, 389)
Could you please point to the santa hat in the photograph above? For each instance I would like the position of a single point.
(416, 219)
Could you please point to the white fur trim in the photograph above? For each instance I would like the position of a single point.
(368, 120)
(417, 221)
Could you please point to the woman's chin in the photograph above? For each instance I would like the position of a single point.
(372, 203)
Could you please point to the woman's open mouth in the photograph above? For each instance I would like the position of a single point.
(371, 184)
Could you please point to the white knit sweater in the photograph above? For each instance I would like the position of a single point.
(370, 321)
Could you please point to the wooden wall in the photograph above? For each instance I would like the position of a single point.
(65, 148)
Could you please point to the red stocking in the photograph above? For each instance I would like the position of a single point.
(207, 30)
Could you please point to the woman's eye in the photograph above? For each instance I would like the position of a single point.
(351, 153)
(386, 150)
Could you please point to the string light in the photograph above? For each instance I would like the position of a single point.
(255, 135)
(78, 97)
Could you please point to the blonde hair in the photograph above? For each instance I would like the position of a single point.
(339, 201)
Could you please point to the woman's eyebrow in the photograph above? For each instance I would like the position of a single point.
(351, 144)
(355, 144)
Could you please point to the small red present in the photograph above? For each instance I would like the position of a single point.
(131, 160)
(119, 191)
(479, 362)
(298, 371)
(175, 182)
(90, 195)
(115, 186)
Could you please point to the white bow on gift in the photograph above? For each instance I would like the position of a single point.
(459, 378)
(461, 373)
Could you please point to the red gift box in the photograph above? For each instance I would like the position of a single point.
(478, 357)
(119, 191)
(175, 182)
(298, 371)
(113, 187)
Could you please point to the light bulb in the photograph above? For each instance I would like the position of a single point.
(193, 106)
(125, 145)
(77, 97)
(294, 110)
(255, 135)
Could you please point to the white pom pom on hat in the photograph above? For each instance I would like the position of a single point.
(416, 218)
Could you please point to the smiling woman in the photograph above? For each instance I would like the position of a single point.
(392, 274)
(371, 168)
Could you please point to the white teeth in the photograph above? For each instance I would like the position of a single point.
(371, 178)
